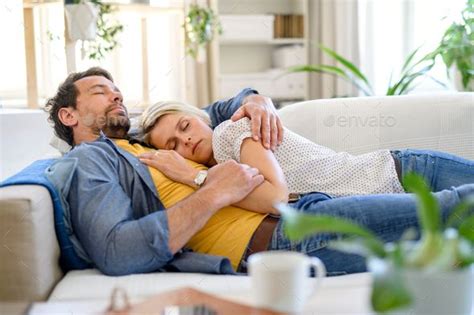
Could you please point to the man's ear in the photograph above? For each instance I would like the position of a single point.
(67, 116)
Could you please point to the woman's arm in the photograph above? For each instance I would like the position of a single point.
(274, 188)
(261, 199)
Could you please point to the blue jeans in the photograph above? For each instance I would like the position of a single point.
(387, 215)
(440, 170)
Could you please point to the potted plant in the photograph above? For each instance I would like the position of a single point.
(90, 21)
(457, 49)
(81, 19)
(411, 70)
(432, 275)
(200, 26)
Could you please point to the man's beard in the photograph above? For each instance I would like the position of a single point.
(116, 126)
(113, 126)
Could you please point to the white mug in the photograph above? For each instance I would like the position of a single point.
(280, 279)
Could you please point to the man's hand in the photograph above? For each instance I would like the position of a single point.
(230, 182)
(264, 118)
(173, 165)
(226, 184)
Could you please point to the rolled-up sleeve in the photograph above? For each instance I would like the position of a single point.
(222, 110)
(117, 240)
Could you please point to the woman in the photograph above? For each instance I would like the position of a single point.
(180, 130)
(297, 166)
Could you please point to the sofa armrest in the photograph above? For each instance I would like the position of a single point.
(29, 250)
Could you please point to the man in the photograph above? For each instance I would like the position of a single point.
(121, 223)
(115, 209)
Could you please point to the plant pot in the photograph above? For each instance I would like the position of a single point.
(440, 293)
(81, 21)
(431, 293)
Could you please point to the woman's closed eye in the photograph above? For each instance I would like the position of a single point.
(184, 125)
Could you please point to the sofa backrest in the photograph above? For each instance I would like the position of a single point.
(24, 136)
(443, 122)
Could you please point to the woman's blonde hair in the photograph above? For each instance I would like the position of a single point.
(153, 113)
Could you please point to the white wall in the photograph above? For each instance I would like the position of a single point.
(24, 138)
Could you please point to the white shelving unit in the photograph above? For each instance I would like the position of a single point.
(245, 60)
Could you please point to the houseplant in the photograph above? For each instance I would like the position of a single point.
(200, 26)
(456, 47)
(411, 70)
(442, 260)
(91, 22)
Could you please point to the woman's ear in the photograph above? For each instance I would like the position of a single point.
(67, 117)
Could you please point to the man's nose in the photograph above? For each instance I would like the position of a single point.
(117, 96)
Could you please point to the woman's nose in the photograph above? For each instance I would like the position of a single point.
(187, 140)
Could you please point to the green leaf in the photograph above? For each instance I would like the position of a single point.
(426, 250)
(460, 211)
(466, 253)
(428, 209)
(320, 69)
(409, 79)
(365, 247)
(347, 64)
(388, 290)
(447, 258)
(437, 81)
(332, 70)
(409, 59)
(298, 225)
(466, 229)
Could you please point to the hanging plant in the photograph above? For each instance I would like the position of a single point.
(201, 25)
(107, 32)
(100, 34)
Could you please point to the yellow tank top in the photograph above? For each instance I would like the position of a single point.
(227, 232)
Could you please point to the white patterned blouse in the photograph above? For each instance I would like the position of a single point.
(309, 167)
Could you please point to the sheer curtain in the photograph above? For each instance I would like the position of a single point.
(333, 23)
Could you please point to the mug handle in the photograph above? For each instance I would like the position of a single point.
(320, 272)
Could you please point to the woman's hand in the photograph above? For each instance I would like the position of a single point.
(266, 124)
(173, 165)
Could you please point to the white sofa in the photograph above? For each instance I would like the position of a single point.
(29, 251)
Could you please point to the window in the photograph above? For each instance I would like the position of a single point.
(391, 29)
(165, 53)
(12, 53)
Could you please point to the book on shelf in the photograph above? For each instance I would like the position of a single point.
(288, 26)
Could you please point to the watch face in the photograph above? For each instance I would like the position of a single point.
(200, 178)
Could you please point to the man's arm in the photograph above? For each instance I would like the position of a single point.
(222, 110)
(188, 216)
(266, 124)
(119, 242)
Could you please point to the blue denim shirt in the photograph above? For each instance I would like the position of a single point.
(116, 213)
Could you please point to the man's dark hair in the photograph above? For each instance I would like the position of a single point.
(66, 96)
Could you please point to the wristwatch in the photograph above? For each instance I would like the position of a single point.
(200, 178)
